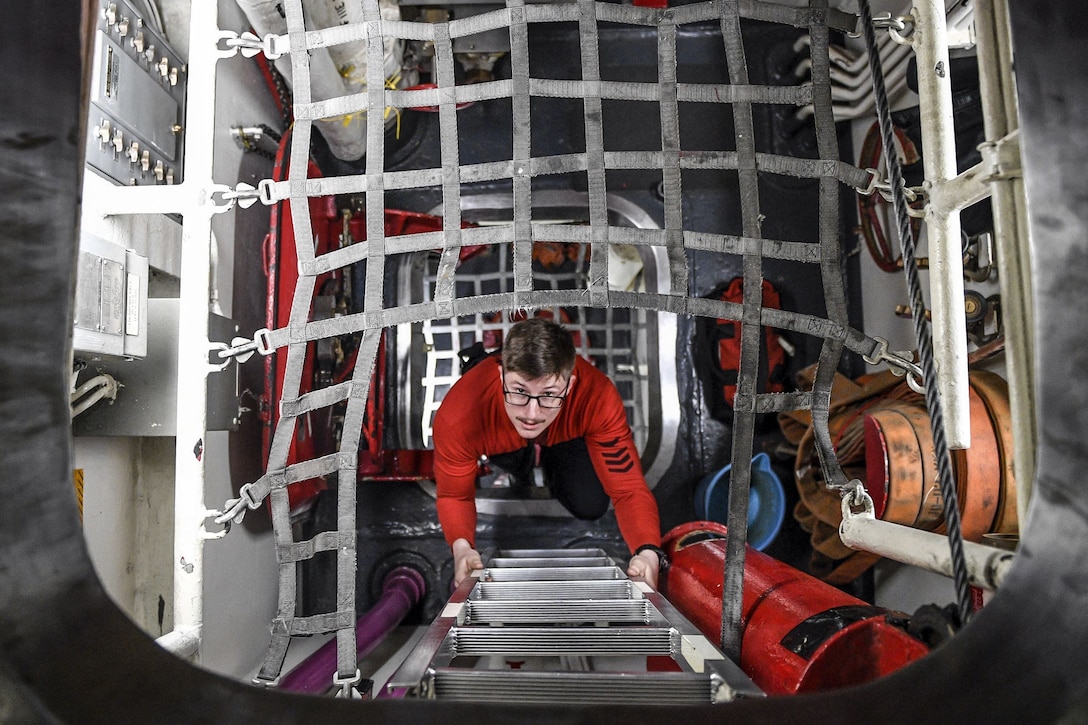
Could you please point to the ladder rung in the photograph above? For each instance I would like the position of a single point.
(582, 688)
(554, 611)
(600, 589)
(560, 641)
(547, 553)
(554, 573)
(566, 561)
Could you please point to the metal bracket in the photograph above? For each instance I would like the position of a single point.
(1003, 157)
(212, 535)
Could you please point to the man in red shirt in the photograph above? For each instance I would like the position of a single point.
(542, 394)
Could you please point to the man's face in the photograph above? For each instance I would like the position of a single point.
(531, 419)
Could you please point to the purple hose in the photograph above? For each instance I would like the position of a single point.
(402, 589)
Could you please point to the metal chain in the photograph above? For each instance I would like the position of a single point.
(921, 324)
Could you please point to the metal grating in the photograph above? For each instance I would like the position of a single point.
(609, 337)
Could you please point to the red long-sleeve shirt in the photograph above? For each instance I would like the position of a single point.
(472, 422)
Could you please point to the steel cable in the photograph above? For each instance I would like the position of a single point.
(921, 324)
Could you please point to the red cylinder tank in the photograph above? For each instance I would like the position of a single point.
(798, 633)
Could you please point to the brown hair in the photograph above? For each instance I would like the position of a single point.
(538, 348)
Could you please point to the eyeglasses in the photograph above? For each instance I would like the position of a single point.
(547, 400)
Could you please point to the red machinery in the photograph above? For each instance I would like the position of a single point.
(799, 634)
(315, 435)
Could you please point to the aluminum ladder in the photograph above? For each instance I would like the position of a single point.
(548, 625)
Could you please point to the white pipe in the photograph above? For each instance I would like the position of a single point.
(894, 76)
(183, 643)
(966, 189)
(943, 231)
(849, 105)
(999, 116)
(350, 58)
(346, 135)
(897, 55)
(102, 380)
(191, 199)
(266, 18)
(192, 349)
(987, 566)
(840, 58)
(106, 391)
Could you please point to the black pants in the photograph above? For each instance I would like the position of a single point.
(568, 474)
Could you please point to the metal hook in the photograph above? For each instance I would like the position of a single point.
(900, 363)
(856, 502)
(885, 21)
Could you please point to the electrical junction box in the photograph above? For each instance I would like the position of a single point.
(147, 403)
(135, 132)
(111, 300)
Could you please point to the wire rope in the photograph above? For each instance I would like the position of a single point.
(921, 324)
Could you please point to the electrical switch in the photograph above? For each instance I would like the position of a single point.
(102, 132)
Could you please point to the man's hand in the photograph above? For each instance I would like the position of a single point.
(645, 565)
(465, 559)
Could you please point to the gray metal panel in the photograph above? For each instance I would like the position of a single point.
(135, 131)
(129, 93)
(147, 404)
